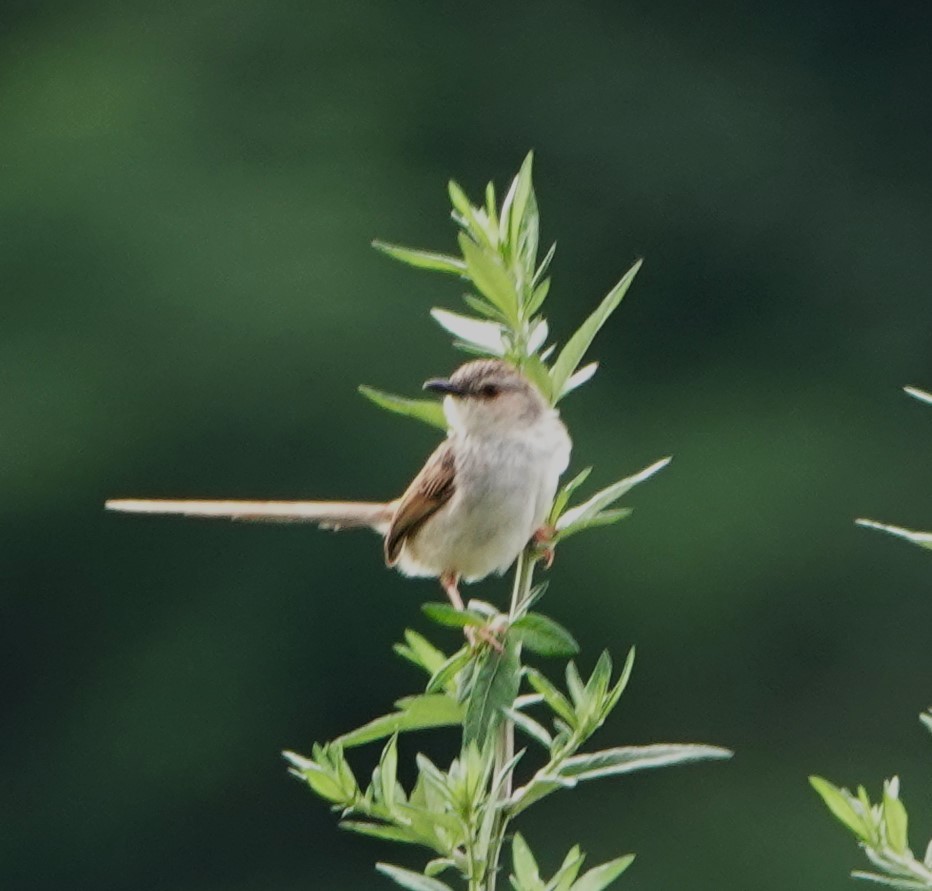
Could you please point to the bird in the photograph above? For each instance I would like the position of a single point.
(482, 495)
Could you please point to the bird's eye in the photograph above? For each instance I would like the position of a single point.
(489, 390)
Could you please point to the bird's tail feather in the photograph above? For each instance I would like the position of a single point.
(326, 514)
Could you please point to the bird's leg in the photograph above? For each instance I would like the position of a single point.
(450, 584)
(543, 541)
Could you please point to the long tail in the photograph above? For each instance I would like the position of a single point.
(326, 514)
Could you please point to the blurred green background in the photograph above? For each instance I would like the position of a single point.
(189, 301)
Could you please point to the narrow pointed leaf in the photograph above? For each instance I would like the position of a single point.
(388, 773)
(420, 652)
(569, 869)
(607, 496)
(427, 411)
(381, 830)
(495, 688)
(921, 395)
(544, 636)
(450, 616)
(489, 276)
(563, 496)
(574, 351)
(577, 379)
(552, 696)
(446, 674)
(413, 881)
(415, 713)
(600, 877)
(627, 759)
(923, 539)
(926, 718)
(435, 867)
(544, 266)
(422, 259)
(895, 819)
(538, 296)
(524, 865)
(839, 804)
(319, 779)
(530, 727)
(534, 368)
(899, 884)
(603, 518)
(486, 335)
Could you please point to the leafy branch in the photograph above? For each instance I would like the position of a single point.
(462, 814)
(881, 828)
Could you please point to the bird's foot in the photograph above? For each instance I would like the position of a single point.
(543, 540)
(475, 635)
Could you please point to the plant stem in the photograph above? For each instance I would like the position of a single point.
(505, 744)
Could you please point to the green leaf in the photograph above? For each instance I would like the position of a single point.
(603, 518)
(524, 865)
(535, 370)
(321, 781)
(900, 884)
(538, 296)
(600, 877)
(384, 831)
(489, 276)
(895, 817)
(597, 685)
(565, 876)
(484, 308)
(566, 492)
(413, 881)
(388, 773)
(552, 696)
(450, 616)
(627, 759)
(921, 395)
(422, 259)
(576, 687)
(840, 804)
(578, 378)
(615, 694)
(529, 726)
(486, 336)
(544, 636)
(923, 539)
(427, 411)
(415, 713)
(542, 269)
(420, 652)
(926, 718)
(495, 688)
(606, 497)
(574, 351)
(435, 867)
(442, 678)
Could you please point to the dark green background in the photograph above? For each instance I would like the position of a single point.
(189, 301)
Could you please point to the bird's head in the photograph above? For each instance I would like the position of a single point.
(488, 396)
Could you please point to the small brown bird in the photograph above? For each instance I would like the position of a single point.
(480, 498)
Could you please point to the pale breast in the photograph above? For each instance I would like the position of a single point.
(504, 489)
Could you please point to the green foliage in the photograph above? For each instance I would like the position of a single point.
(923, 539)
(881, 828)
(461, 815)
(498, 259)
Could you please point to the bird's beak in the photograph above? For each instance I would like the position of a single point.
(442, 385)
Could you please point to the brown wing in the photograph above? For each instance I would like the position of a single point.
(430, 490)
